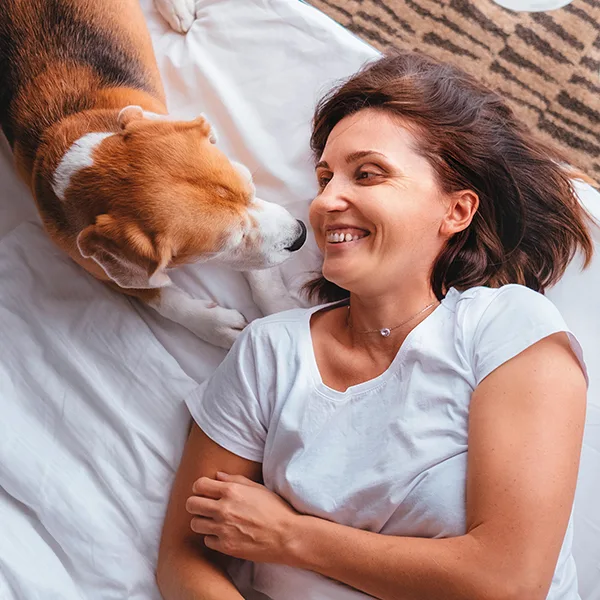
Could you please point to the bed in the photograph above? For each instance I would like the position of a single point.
(92, 385)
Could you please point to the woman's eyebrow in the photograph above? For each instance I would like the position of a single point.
(350, 158)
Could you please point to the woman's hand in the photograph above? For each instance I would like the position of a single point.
(241, 518)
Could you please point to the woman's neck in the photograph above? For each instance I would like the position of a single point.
(384, 315)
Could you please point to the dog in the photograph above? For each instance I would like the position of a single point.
(122, 187)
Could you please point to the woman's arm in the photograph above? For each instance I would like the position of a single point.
(525, 433)
(187, 570)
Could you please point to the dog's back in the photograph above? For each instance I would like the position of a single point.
(59, 57)
(122, 187)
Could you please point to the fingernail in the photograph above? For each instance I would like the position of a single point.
(221, 474)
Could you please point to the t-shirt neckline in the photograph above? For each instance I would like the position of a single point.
(375, 382)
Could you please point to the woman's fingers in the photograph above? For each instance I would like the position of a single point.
(236, 479)
(212, 542)
(209, 488)
(203, 507)
(203, 525)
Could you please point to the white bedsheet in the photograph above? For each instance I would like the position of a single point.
(91, 385)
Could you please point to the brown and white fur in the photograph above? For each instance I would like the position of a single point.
(124, 189)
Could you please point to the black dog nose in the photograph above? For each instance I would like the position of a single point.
(299, 242)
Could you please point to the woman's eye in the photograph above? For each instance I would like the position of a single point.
(366, 175)
(323, 181)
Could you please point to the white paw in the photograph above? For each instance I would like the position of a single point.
(179, 14)
(269, 291)
(219, 326)
(209, 321)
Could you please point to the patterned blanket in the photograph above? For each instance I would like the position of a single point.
(546, 64)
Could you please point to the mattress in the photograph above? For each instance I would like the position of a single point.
(92, 385)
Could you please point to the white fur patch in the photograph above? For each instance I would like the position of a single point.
(261, 240)
(77, 157)
(213, 138)
(269, 291)
(209, 321)
(142, 113)
(156, 117)
(180, 14)
(244, 171)
(276, 225)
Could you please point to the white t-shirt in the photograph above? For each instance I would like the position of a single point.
(388, 455)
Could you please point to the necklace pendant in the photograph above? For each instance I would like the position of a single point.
(385, 332)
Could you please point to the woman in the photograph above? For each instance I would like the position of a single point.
(419, 435)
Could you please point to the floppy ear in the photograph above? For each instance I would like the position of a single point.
(125, 253)
(208, 129)
(129, 114)
(132, 113)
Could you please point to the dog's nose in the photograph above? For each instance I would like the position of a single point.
(299, 241)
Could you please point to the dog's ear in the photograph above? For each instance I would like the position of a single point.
(207, 129)
(129, 114)
(133, 113)
(125, 253)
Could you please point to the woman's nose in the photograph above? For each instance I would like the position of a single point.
(334, 197)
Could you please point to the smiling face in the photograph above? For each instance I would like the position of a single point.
(380, 217)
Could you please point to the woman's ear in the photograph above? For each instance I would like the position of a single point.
(461, 210)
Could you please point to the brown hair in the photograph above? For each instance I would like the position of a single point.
(529, 223)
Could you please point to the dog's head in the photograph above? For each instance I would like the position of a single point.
(161, 194)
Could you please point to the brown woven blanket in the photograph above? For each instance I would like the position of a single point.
(546, 64)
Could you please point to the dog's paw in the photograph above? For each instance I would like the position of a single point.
(217, 325)
(269, 291)
(209, 321)
(179, 14)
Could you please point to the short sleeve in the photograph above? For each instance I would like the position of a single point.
(227, 406)
(515, 318)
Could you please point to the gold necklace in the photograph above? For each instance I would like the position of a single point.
(385, 331)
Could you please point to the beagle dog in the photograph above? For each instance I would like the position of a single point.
(127, 191)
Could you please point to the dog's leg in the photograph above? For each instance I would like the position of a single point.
(179, 14)
(269, 291)
(209, 321)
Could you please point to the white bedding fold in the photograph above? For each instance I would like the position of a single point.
(92, 419)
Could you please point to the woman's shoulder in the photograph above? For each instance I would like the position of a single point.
(496, 314)
(477, 303)
(495, 324)
(512, 291)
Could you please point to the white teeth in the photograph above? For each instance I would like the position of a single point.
(338, 238)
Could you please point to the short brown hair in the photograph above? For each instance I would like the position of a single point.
(529, 223)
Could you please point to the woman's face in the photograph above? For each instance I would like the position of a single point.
(379, 217)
